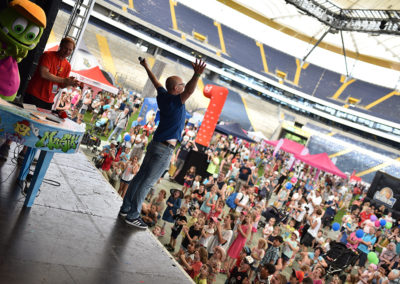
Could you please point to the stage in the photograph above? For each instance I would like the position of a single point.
(72, 233)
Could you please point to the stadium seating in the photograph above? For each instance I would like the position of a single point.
(365, 145)
(156, 12)
(243, 51)
(239, 47)
(353, 160)
(189, 20)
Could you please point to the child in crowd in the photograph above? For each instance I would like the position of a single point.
(290, 248)
(255, 216)
(269, 228)
(230, 188)
(196, 183)
(192, 234)
(187, 200)
(150, 217)
(180, 221)
(173, 204)
(217, 210)
(208, 232)
(188, 179)
(257, 253)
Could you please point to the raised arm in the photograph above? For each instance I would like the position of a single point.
(198, 68)
(152, 77)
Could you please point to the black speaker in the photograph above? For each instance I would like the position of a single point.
(29, 64)
(197, 159)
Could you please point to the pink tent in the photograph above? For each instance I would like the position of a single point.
(289, 146)
(322, 162)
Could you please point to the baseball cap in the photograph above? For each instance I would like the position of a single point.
(298, 274)
(297, 234)
(114, 142)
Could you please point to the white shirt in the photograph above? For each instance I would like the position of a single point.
(243, 200)
(314, 232)
(226, 235)
(300, 217)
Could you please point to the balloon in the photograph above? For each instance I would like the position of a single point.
(359, 233)
(371, 256)
(377, 224)
(388, 225)
(375, 260)
(373, 218)
(335, 226)
(382, 222)
(289, 185)
(293, 180)
(127, 138)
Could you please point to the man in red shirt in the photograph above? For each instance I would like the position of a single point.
(51, 74)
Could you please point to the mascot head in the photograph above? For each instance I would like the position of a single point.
(21, 26)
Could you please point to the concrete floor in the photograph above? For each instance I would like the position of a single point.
(72, 233)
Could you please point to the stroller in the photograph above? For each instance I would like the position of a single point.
(339, 257)
(90, 139)
(281, 216)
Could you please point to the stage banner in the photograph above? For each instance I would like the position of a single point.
(385, 189)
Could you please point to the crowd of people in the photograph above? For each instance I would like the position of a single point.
(256, 217)
(221, 226)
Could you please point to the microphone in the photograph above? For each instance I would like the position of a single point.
(140, 59)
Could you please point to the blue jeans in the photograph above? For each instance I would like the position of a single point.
(117, 131)
(155, 162)
(110, 124)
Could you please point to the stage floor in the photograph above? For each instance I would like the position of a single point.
(72, 233)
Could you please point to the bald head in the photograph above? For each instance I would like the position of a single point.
(174, 85)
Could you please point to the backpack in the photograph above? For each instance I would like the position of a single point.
(230, 201)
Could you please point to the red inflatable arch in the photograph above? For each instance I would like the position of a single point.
(217, 96)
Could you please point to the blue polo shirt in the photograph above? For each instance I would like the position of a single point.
(367, 238)
(172, 116)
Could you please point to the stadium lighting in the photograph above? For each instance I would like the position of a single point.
(357, 20)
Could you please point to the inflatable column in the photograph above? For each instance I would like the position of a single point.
(217, 96)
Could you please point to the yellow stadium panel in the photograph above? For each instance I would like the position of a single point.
(221, 36)
(382, 99)
(298, 71)
(248, 113)
(105, 52)
(376, 168)
(172, 5)
(340, 153)
(52, 37)
(131, 4)
(263, 57)
(342, 87)
(199, 36)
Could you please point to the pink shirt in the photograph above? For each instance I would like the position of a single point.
(354, 240)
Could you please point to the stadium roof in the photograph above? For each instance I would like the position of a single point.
(295, 32)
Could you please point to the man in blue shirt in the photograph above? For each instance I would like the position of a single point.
(171, 102)
(367, 241)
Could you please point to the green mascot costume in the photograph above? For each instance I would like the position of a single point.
(21, 26)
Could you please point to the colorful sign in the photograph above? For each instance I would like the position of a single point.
(217, 96)
(39, 129)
